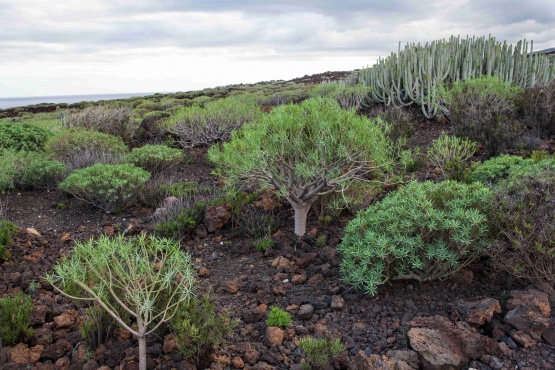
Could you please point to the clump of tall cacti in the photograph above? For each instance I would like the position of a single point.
(413, 74)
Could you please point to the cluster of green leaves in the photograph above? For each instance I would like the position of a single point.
(484, 110)
(108, 187)
(320, 351)
(495, 169)
(22, 136)
(424, 231)
(44, 174)
(397, 122)
(83, 148)
(7, 229)
(524, 222)
(449, 153)
(348, 96)
(199, 329)
(264, 243)
(155, 158)
(97, 326)
(278, 317)
(15, 319)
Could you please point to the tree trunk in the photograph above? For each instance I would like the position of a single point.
(142, 344)
(301, 212)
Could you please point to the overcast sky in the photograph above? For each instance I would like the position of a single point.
(100, 46)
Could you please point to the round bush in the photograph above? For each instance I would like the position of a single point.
(155, 158)
(495, 169)
(83, 148)
(424, 231)
(108, 187)
(44, 174)
(23, 136)
(524, 220)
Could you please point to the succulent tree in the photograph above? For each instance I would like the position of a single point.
(146, 279)
(304, 151)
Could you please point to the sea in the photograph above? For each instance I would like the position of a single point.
(69, 99)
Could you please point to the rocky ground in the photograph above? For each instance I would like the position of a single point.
(478, 319)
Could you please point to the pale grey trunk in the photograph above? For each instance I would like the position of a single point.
(301, 213)
(142, 344)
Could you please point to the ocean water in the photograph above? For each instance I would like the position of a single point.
(69, 99)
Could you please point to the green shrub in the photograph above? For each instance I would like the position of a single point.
(484, 110)
(262, 244)
(199, 329)
(22, 136)
(495, 169)
(320, 351)
(15, 319)
(7, 170)
(116, 121)
(155, 158)
(424, 231)
(449, 153)
(156, 115)
(524, 221)
(108, 187)
(7, 229)
(197, 126)
(83, 148)
(97, 326)
(278, 317)
(44, 174)
(148, 278)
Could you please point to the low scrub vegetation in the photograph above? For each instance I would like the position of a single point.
(155, 158)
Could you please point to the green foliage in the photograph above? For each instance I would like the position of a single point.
(7, 229)
(22, 136)
(7, 170)
(15, 319)
(156, 115)
(108, 187)
(155, 158)
(149, 278)
(83, 148)
(212, 123)
(320, 351)
(424, 231)
(484, 110)
(397, 122)
(44, 174)
(262, 244)
(449, 153)
(524, 221)
(199, 329)
(304, 151)
(97, 326)
(348, 96)
(495, 169)
(278, 317)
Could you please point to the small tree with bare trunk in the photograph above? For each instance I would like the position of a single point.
(304, 151)
(144, 278)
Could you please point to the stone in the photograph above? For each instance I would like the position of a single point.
(80, 354)
(109, 230)
(274, 336)
(230, 287)
(528, 320)
(535, 299)
(203, 272)
(316, 279)
(122, 334)
(57, 350)
(549, 336)
(476, 311)
(43, 336)
(66, 320)
(251, 354)
(298, 279)
(305, 312)
(337, 303)
(282, 262)
(441, 343)
(410, 358)
(170, 344)
(22, 354)
(523, 339)
(374, 362)
(225, 361)
(65, 238)
(32, 231)
(62, 362)
(238, 363)
(215, 217)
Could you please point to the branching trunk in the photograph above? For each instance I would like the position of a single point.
(141, 338)
(301, 213)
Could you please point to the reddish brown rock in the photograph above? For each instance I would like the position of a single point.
(230, 287)
(274, 336)
(528, 320)
(238, 363)
(204, 272)
(217, 216)
(170, 344)
(523, 339)
(362, 362)
(535, 299)
(67, 319)
(282, 262)
(21, 354)
(337, 303)
(316, 279)
(305, 312)
(57, 350)
(298, 279)
(476, 311)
